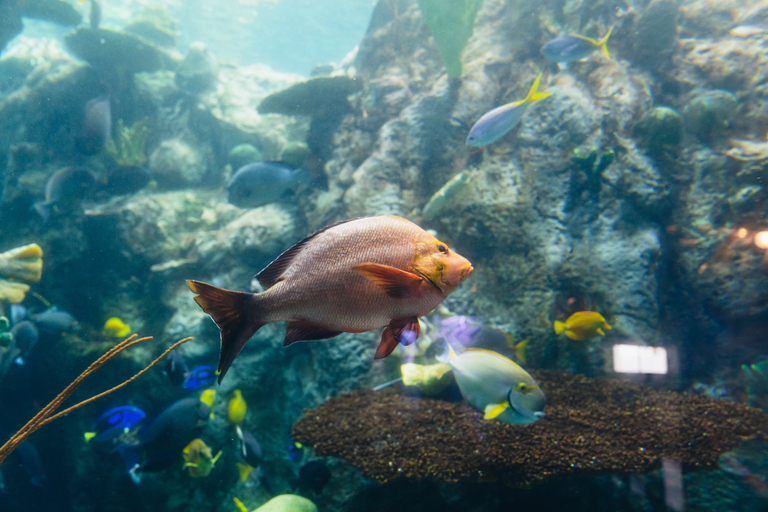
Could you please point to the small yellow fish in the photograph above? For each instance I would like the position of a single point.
(244, 470)
(520, 347)
(208, 397)
(237, 408)
(583, 325)
(116, 328)
(198, 459)
(240, 506)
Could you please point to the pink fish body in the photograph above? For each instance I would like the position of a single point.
(355, 276)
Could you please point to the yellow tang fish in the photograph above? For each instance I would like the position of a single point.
(116, 328)
(355, 276)
(496, 385)
(583, 325)
(208, 397)
(198, 459)
(237, 408)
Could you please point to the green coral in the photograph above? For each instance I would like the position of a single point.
(5, 337)
(451, 23)
(127, 148)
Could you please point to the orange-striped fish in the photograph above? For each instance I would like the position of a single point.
(355, 276)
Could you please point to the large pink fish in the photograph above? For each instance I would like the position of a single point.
(354, 276)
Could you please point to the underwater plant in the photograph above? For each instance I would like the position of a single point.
(451, 24)
(127, 147)
(46, 416)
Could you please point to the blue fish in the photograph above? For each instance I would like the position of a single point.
(54, 321)
(261, 183)
(496, 123)
(570, 48)
(199, 378)
(114, 422)
(295, 451)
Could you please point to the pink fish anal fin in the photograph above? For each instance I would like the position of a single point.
(306, 331)
(396, 283)
(403, 330)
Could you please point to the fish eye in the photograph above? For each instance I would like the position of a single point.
(442, 248)
(522, 387)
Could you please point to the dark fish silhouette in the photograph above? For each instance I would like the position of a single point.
(97, 126)
(65, 189)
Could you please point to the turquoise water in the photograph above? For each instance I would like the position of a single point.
(451, 255)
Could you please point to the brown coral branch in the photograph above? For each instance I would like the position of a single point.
(44, 416)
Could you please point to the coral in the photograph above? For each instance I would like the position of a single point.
(127, 147)
(287, 503)
(592, 426)
(294, 154)
(658, 130)
(198, 70)
(709, 114)
(244, 154)
(451, 24)
(25, 263)
(176, 164)
(655, 34)
(110, 49)
(155, 25)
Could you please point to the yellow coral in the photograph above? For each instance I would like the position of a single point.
(25, 263)
(430, 379)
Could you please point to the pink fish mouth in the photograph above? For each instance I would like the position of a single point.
(466, 272)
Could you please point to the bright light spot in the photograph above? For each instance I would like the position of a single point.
(638, 359)
(742, 233)
(761, 239)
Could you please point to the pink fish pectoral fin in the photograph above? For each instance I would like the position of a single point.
(404, 330)
(396, 283)
(306, 331)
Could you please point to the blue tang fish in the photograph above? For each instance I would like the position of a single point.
(496, 123)
(199, 378)
(570, 48)
(261, 183)
(114, 422)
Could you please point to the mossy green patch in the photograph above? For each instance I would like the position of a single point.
(451, 23)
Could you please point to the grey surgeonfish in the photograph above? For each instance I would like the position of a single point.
(65, 188)
(261, 183)
(496, 385)
(96, 127)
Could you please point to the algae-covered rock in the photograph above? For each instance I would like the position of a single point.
(155, 25)
(655, 34)
(294, 153)
(659, 129)
(244, 154)
(198, 70)
(709, 114)
(451, 24)
(176, 164)
(111, 49)
(287, 503)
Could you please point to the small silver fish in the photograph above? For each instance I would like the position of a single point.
(748, 31)
(496, 385)
(495, 124)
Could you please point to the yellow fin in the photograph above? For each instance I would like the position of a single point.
(492, 411)
(88, 436)
(521, 351)
(244, 470)
(600, 331)
(239, 505)
(534, 94)
(602, 45)
(559, 327)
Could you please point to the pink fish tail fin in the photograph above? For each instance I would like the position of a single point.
(234, 313)
(602, 43)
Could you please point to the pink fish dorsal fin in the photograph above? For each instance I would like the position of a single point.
(396, 283)
(272, 272)
(306, 331)
(393, 334)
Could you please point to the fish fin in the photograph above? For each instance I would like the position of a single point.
(396, 283)
(43, 208)
(562, 66)
(88, 436)
(227, 309)
(534, 94)
(600, 331)
(394, 333)
(602, 45)
(559, 327)
(244, 470)
(521, 351)
(607, 327)
(273, 272)
(493, 410)
(306, 331)
(240, 506)
(572, 335)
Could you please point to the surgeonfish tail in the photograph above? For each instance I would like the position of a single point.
(88, 436)
(602, 45)
(559, 327)
(244, 470)
(534, 94)
(232, 312)
(521, 351)
(448, 355)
